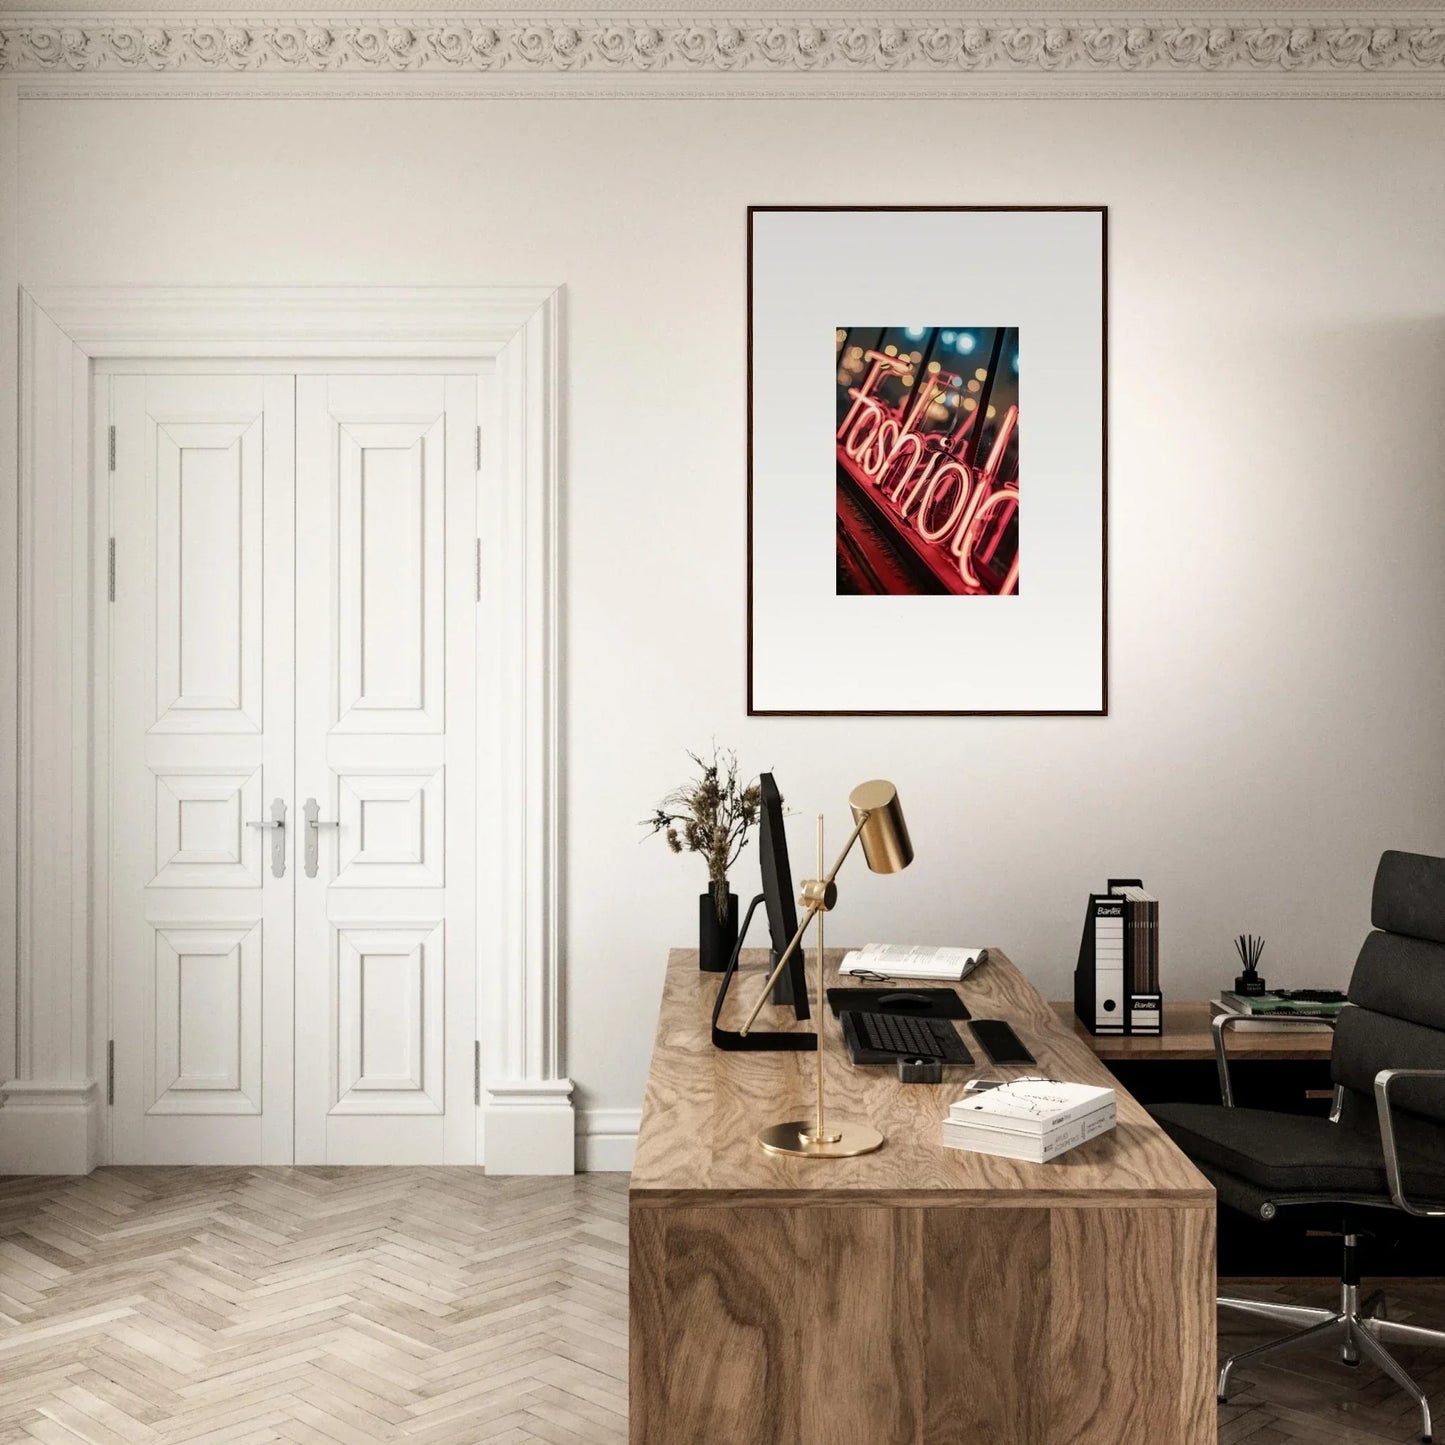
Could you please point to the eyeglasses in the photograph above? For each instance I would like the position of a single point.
(868, 976)
(984, 1082)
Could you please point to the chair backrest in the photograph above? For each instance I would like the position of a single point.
(1398, 993)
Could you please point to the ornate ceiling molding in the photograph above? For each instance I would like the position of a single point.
(1406, 56)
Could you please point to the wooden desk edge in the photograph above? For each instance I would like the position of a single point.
(645, 1198)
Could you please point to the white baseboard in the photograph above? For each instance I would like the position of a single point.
(607, 1140)
(49, 1128)
(55, 1129)
(530, 1128)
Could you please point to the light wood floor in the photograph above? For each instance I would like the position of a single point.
(342, 1307)
(321, 1306)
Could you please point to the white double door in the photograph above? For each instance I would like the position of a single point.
(292, 767)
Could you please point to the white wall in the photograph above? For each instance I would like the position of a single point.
(1277, 489)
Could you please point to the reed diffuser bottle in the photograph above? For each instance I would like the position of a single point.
(1249, 984)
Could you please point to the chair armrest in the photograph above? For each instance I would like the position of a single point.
(1222, 1023)
(1383, 1080)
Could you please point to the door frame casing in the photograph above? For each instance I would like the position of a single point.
(58, 985)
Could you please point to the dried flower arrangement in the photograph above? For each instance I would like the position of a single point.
(711, 815)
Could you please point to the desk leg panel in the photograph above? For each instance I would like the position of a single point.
(986, 1296)
(770, 1325)
(940, 1325)
(647, 1321)
(1132, 1350)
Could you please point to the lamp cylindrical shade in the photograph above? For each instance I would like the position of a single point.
(885, 840)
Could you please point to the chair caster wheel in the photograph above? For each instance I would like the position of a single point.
(1221, 1399)
(1353, 1364)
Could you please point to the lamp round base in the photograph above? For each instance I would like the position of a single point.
(795, 1137)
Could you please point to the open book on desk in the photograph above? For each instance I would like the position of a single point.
(907, 960)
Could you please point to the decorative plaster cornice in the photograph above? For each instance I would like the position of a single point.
(1353, 51)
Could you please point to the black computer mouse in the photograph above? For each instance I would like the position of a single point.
(902, 1000)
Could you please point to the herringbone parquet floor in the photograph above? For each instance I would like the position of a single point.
(348, 1306)
(1308, 1395)
(316, 1306)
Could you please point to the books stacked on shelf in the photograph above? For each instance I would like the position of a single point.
(907, 960)
(1266, 1011)
(1032, 1119)
(1116, 982)
(1141, 940)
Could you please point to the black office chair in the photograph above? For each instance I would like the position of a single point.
(1382, 1150)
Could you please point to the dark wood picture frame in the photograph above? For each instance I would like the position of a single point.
(1103, 709)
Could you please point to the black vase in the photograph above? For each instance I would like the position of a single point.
(716, 938)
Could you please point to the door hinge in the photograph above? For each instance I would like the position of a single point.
(110, 1072)
(110, 570)
(112, 449)
(479, 449)
(479, 569)
(477, 1071)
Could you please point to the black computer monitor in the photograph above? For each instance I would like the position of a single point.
(791, 987)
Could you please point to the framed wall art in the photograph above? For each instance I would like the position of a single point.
(927, 459)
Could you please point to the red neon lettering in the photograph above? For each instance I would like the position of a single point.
(947, 470)
(999, 510)
(921, 480)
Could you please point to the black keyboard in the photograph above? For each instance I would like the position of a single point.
(897, 1036)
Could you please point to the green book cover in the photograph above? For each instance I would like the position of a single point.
(1272, 1003)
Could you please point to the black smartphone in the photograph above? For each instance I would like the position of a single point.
(1000, 1042)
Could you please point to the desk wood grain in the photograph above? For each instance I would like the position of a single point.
(704, 1106)
(918, 1295)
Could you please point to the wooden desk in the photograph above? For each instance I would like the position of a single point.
(1187, 1037)
(919, 1293)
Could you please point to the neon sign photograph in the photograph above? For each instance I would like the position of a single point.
(912, 547)
(928, 461)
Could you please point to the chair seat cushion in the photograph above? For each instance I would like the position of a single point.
(1293, 1153)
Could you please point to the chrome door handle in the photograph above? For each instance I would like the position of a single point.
(276, 821)
(314, 824)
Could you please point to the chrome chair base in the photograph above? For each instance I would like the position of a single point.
(1360, 1326)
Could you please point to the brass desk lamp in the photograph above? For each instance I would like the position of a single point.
(878, 823)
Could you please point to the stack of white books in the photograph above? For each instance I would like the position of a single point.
(1033, 1119)
(908, 960)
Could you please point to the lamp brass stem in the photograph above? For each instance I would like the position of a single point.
(813, 909)
(819, 1133)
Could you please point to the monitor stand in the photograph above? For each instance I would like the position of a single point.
(755, 1040)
